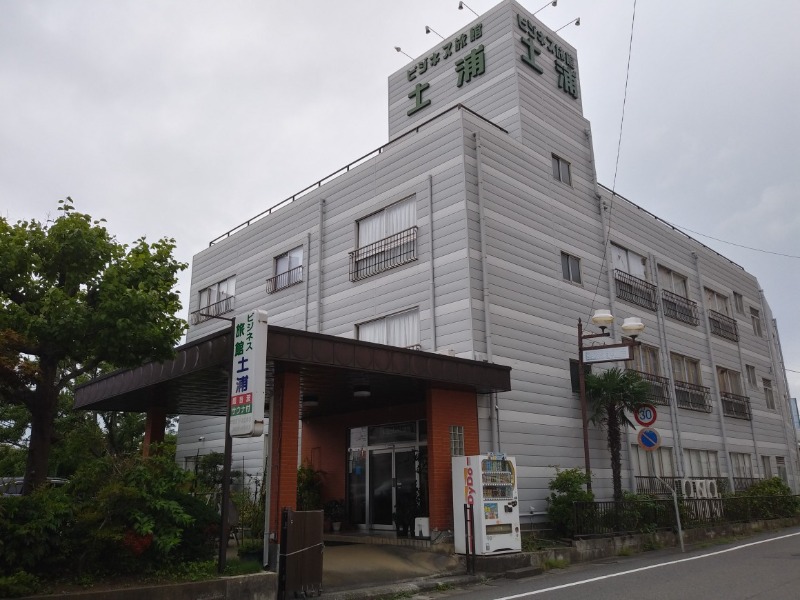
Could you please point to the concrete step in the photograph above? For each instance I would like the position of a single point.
(524, 572)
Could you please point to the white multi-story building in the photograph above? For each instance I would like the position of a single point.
(480, 231)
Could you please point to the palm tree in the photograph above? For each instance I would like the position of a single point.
(611, 395)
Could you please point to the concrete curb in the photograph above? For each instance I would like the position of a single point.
(414, 587)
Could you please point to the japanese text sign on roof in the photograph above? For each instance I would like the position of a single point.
(248, 375)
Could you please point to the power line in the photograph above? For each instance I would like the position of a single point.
(711, 237)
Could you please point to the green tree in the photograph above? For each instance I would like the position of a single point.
(611, 395)
(73, 298)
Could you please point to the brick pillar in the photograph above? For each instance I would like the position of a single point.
(446, 408)
(286, 417)
(154, 428)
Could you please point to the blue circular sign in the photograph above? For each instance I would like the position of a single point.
(649, 439)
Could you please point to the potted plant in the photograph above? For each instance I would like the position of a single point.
(334, 512)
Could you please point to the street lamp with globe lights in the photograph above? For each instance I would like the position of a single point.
(602, 318)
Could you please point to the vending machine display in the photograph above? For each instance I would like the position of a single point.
(487, 483)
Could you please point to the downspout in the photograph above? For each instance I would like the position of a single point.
(662, 333)
(612, 300)
(307, 253)
(714, 372)
(494, 407)
(432, 292)
(743, 371)
(792, 448)
(319, 264)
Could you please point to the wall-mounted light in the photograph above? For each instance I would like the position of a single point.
(429, 30)
(577, 22)
(553, 3)
(361, 391)
(462, 6)
(400, 50)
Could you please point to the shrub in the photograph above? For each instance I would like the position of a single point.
(566, 488)
(19, 584)
(769, 499)
(309, 488)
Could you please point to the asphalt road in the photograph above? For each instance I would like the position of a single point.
(763, 567)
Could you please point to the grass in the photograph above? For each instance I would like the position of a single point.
(531, 543)
(555, 563)
(443, 587)
(625, 551)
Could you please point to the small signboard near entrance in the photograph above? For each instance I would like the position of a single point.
(649, 439)
(608, 353)
(645, 415)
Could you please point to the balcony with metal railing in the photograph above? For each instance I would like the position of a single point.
(285, 279)
(692, 396)
(385, 254)
(220, 307)
(723, 326)
(657, 387)
(736, 406)
(634, 290)
(679, 308)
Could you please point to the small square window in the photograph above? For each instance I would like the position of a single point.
(571, 268)
(561, 170)
(456, 440)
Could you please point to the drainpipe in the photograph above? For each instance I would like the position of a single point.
(319, 264)
(432, 292)
(665, 360)
(773, 345)
(714, 375)
(743, 371)
(494, 406)
(307, 253)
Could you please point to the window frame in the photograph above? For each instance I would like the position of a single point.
(738, 302)
(276, 283)
(755, 320)
(384, 318)
(685, 375)
(752, 379)
(567, 268)
(557, 164)
(769, 396)
(665, 272)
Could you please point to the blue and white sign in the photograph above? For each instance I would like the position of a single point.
(649, 439)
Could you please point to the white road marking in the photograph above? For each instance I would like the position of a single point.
(665, 564)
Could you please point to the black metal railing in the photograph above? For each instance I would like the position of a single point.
(723, 326)
(692, 396)
(734, 405)
(657, 387)
(680, 308)
(635, 516)
(220, 307)
(285, 279)
(634, 290)
(385, 254)
(654, 486)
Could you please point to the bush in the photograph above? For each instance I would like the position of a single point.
(769, 499)
(19, 584)
(32, 530)
(566, 488)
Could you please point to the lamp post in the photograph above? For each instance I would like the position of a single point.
(602, 318)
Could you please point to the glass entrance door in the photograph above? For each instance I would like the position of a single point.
(392, 479)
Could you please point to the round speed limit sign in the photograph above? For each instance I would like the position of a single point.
(645, 415)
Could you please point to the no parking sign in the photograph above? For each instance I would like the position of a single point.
(649, 439)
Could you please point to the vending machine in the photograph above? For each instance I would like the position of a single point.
(487, 483)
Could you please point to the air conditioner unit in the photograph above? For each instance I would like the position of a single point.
(687, 488)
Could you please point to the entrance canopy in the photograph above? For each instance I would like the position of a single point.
(330, 368)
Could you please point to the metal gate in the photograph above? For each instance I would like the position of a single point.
(301, 549)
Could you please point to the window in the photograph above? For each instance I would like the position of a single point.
(645, 359)
(689, 391)
(751, 376)
(672, 281)
(561, 170)
(742, 465)
(766, 461)
(730, 382)
(571, 268)
(719, 318)
(662, 465)
(385, 239)
(734, 402)
(768, 397)
(573, 375)
(738, 301)
(755, 317)
(456, 440)
(288, 270)
(701, 463)
(630, 277)
(215, 300)
(401, 330)
(780, 463)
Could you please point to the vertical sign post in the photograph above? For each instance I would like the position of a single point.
(248, 374)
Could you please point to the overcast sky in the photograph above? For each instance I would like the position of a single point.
(185, 118)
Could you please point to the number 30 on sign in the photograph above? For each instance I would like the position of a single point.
(645, 415)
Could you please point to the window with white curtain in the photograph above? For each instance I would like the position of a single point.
(701, 463)
(215, 300)
(662, 465)
(401, 330)
(386, 239)
(742, 465)
(288, 270)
